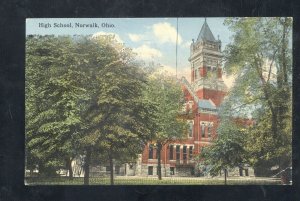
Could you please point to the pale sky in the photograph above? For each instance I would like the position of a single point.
(153, 39)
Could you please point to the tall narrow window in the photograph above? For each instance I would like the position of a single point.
(209, 130)
(184, 152)
(190, 129)
(150, 151)
(171, 152)
(177, 152)
(203, 129)
(191, 152)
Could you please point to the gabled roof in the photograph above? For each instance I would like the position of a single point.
(205, 33)
(206, 104)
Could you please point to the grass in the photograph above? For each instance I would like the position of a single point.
(122, 180)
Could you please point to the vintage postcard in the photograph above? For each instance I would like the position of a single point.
(158, 101)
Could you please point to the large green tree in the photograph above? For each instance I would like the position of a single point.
(260, 57)
(52, 95)
(84, 96)
(166, 94)
(227, 150)
(117, 117)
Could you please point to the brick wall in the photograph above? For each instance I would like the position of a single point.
(216, 96)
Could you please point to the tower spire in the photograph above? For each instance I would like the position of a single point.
(205, 33)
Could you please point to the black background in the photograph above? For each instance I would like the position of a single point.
(12, 51)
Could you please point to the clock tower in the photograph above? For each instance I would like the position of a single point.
(206, 70)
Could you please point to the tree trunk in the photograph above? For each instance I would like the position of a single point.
(69, 167)
(267, 95)
(158, 152)
(225, 176)
(87, 167)
(111, 164)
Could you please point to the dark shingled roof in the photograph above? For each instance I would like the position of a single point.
(205, 33)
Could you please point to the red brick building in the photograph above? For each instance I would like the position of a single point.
(203, 96)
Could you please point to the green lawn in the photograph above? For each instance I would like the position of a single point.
(153, 181)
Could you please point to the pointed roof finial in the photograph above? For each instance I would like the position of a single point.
(205, 20)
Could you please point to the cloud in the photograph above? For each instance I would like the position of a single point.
(145, 52)
(135, 37)
(102, 33)
(165, 33)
